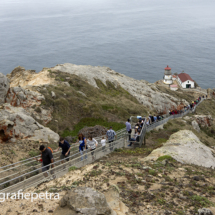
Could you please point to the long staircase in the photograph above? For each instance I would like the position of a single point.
(28, 173)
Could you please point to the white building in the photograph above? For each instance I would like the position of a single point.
(167, 79)
(185, 81)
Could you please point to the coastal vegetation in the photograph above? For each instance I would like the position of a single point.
(81, 104)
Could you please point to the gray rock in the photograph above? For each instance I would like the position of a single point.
(83, 201)
(204, 120)
(190, 150)
(146, 167)
(4, 87)
(82, 93)
(195, 126)
(53, 94)
(17, 123)
(198, 178)
(67, 84)
(205, 211)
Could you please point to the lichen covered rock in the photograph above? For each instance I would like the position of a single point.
(83, 201)
(185, 147)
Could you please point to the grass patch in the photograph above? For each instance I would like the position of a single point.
(33, 153)
(90, 122)
(152, 172)
(166, 157)
(72, 168)
(201, 201)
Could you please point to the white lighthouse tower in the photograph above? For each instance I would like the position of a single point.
(167, 75)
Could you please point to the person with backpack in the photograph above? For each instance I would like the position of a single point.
(65, 149)
(82, 145)
(47, 159)
(41, 160)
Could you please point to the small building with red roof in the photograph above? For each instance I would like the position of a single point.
(185, 81)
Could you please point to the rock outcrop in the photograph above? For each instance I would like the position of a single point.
(204, 120)
(15, 122)
(82, 200)
(147, 94)
(95, 131)
(113, 199)
(30, 100)
(4, 87)
(21, 77)
(19, 97)
(140, 89)
(185, 147)
(195, 126)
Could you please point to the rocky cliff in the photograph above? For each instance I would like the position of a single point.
(61, 96)
(146, 93)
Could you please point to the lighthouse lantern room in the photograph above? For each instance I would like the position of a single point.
(167, 75)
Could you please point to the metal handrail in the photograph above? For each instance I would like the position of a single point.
(121, 134)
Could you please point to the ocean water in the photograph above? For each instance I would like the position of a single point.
(137, 38)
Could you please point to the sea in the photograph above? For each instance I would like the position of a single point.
(138, 38)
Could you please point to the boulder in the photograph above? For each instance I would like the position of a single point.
(66, 84)
(204, 120)
(15, 122)
(195, 126)
(205, 211)
(95, 131)
(113, 199)
(53, 94)
(83, 200)
(4, 87)
(185, 147)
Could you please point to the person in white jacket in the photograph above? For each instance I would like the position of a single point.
(92, 144)
(103, 142)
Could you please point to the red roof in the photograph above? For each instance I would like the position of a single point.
(167, 68)
(185, 77)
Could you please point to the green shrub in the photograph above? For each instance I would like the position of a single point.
(152, 172)
(175, 130)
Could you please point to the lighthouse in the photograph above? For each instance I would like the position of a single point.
(167, 75)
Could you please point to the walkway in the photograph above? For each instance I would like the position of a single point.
(28, 173)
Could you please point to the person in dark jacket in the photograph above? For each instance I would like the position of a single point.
(65, 149)
(47, 159)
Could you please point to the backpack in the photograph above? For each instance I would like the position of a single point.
(50, 149)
